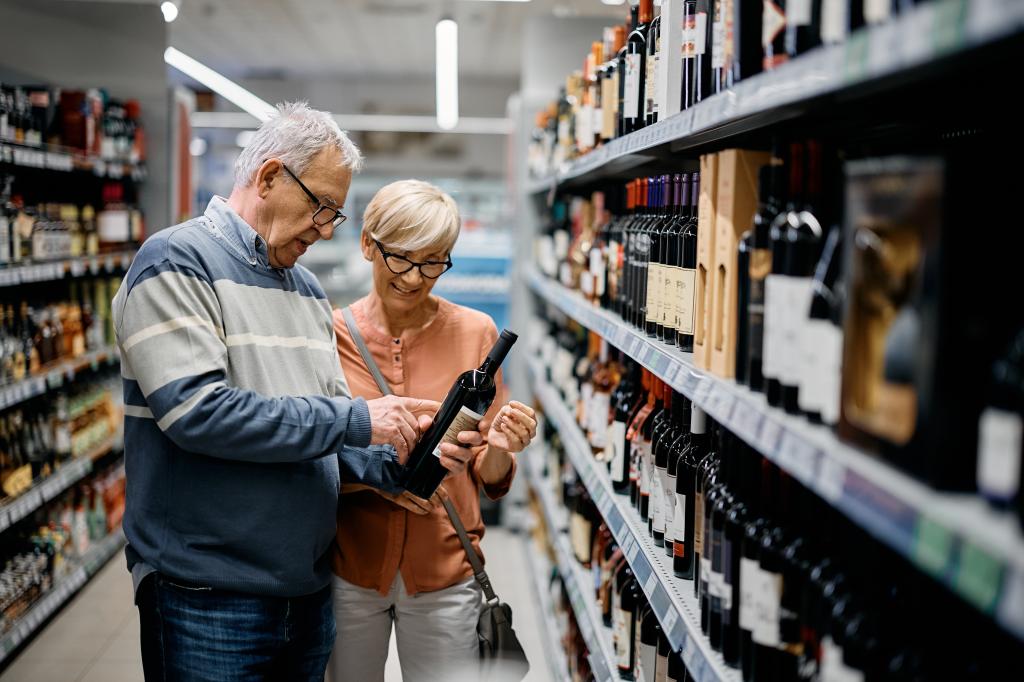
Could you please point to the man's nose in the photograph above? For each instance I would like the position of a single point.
(325, 231)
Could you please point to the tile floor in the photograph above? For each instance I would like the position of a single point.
(95, 637)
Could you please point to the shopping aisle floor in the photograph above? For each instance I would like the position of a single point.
(96, 637)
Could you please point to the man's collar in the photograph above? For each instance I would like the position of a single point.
(240, 233)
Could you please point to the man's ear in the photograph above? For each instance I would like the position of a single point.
(268, 173)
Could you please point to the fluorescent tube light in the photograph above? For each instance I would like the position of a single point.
(225, 87)
(446, 38)
(170, 11)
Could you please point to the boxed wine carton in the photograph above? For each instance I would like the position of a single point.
(735, 205)
(705, 258)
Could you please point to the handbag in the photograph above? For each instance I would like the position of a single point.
(501, 655)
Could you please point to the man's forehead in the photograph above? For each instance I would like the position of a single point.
(327, 177)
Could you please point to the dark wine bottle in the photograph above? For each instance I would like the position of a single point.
(686, 300)
(744, 249)
(465, 405)
(773, 33)
(743, 465)
(821, 338)
(696, 52)
(1001, 429)
(671, 263)
(624, 619)
(684, 527)
(651, 76)
(674, 449)
(654, 259)
(636, 67)
(748, 54)
(803, 26)
(650, 633)
(662, 515)
(624, 400)
(620, 70)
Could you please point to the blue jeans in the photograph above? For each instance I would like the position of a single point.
(192, 633)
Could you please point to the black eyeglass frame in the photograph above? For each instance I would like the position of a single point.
(337, 216)
(413, 264)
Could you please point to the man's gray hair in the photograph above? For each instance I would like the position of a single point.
(295, 134)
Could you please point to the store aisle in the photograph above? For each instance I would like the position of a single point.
(96, 637)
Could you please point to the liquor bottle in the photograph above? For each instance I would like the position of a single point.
(636, 67)
(803, 26)
(720, 590)
(621, 69)
(712, 488)
(662, 497)
(773, 33)
(610, 82)
(760, 268)
(743, 471)
(664, 652)
(636, 438)
(701, 442)
(746, 245)
(776, 285)
(684, 525)
(593, 280)
(610, 566)
(655, 277)
(646, 460)
(686, 288)
(676, 669)
(626, 626)
(722, 18)
(604, 378)
(650, 220)
(805, 237)
(650, 633)
(581, 526)
(795, 567)
(821, 337)
(598, 554)
(625, 284)
(637, 295)
(672, 263)
(697, 54)
(1001, 428)
(651, 97)
(625, 400)
(748, 53)
(675, 520)
(768, 595)
(463, 408)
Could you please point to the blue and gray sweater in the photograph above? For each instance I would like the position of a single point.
(238, 420)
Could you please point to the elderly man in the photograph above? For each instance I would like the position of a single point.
(238, 422)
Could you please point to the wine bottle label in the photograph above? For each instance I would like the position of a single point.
(1000, 436)
(465, 420)
(631, 95)
(646, 662)
(651, 82)
(615, 450)
(773, 289)
(877, 11)
(820, 376)
(698, 523)
(645, 470)
(773, 22)
(768, 594)
(679, 525)
(583, 411)
(705, 571)
(799, 292)
(600, 404)
(661, 673)
(798, 12)
(622, 638)
(579, 534)
(718, 45)
(686, 299)
(748, 581)
(834, 20)
(657, 504)
(668, 503)
(668, 301)
(653, 291)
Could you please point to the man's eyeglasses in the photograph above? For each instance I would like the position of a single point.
(399, 265)
(323, 215)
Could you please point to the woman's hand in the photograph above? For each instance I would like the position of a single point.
(513, 427)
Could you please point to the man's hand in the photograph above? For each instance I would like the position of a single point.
(400, 422)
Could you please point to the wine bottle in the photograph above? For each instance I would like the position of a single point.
(745, 247)
(650, 633)
(670, 260)
(705, 459)
(646, 460)
(635, 437)
(674, 448)
(626, 626)
(684, 528)
(636, 67)
(1001, 429)
(721, 47)
(697, 55)
(625, 397)
(664, 651)
(620, 70)
(676, 668)
(686, 289)
(744, 463)
(662, 515)
(803, 26)
(773, 33)
(654, 260)
(719, 591)
(821, 338)
(747, 59)
(651, 98)
(465, 405)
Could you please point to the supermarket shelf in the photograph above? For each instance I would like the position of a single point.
(54, 376)
(64, 160)
(670, 597)
(557, 663)
(578, 583)
(975, 551)
(56, 270)
(929, 32)
(29, 623)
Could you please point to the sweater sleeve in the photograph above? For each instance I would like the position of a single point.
(171, 337)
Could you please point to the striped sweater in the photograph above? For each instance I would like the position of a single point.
(238, 420)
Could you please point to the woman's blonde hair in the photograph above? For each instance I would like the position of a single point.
(413, 215)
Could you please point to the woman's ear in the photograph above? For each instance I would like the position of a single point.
(367, 245)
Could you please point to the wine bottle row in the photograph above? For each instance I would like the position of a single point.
(830, 285)
(789, 589)
(721, 43)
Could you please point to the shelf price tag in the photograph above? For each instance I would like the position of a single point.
(933, 547)
(979, 577)
(632, 549)
(651, 583)
(831, 479)
(798, 457)
(746, 421)
(5, 520)
(769, 438)
(1011, 606)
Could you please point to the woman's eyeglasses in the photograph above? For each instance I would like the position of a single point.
(399, 265)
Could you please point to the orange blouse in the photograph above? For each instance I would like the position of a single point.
(376, 537)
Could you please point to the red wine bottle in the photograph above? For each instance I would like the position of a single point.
(636, 68)
(686, 301)
(465, 405)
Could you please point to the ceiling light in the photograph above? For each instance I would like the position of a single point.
(225, 87)
(613, 2)
(197, 147)
(170, 11)
(446, 40)
(503, 0)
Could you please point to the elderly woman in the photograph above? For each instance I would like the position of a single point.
(399, 560)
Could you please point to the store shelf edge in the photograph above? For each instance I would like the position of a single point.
(55, 376)
(78, 266)
(910, 41)
(557, 663)
(898, 510)
(28, 623)
(677, 617)
(578, 585)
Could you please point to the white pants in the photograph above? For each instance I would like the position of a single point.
(435, 632)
